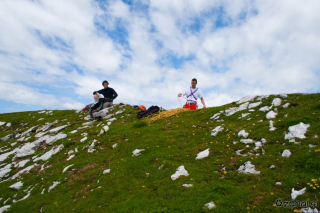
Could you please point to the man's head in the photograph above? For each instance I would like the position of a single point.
(194, 83)
(105, 84)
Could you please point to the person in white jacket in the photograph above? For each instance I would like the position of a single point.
(193, 93)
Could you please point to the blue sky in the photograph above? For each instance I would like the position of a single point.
(54, 54)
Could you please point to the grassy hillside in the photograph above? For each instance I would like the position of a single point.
(143, 183)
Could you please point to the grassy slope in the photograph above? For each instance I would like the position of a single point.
(171, 142)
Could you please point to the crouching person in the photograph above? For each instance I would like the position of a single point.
(103, 98)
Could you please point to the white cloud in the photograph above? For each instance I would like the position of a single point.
(265, 47)
(24, 95)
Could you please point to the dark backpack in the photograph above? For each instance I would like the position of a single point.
(148, 112)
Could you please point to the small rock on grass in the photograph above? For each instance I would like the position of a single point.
(106, 171)
(203, 154)
(17, 186)
(136, 152)
(210, 205)
(286, 153)
(180, 171)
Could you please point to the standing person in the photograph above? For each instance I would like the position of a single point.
(109, 95)
(192, 93)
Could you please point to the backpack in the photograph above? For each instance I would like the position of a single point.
(148, 112)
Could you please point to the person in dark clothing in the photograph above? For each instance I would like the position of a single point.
(109, 95)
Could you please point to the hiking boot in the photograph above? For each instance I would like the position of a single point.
(99, 118)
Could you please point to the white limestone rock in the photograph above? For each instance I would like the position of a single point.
(8, 125)
(246, 99)
(5, 155)
(187, 185)
(40, 134)
(57, 129)
(231, 111)
(17, 186)
(2, 123)
(286, 153)
(297, 131)
(5, 170)
(210, 205)
(47, 126)
(48, 154)
(21, 139)
(271, 127)
(101, 132)
(88, 123)
(296, 193)
(243, 106)
(101, 113)
(136, 152)
(106, 171)
(248, 168)
(91, 147)
(243, 133)
(180, 171)
(106, 128)
(50, 139)
(271, 115)
(28, 131)
(283, 95)
(25, 150)
(276, 102)
(243, 115)
(215, 116)
(285, 105)
(203, 154)
(216, 130)
(20, 163)
(83, 139)
(254, 105)
(4, 208)
(119, 112)
(246, 141)
(309, 210)
(55, 183)
(264, 109)
(66, 168)
(70, 157)
(7, 137)
(25, 170)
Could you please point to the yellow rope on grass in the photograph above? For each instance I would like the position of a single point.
(165, 114)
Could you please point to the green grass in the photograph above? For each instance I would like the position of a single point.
(168, 143)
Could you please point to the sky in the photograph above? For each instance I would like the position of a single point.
(54, 54)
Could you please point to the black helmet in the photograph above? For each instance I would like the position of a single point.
(105, 81)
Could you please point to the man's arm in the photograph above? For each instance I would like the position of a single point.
(114, 95)
(183, 93)
(202, 101)
(99, 91)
